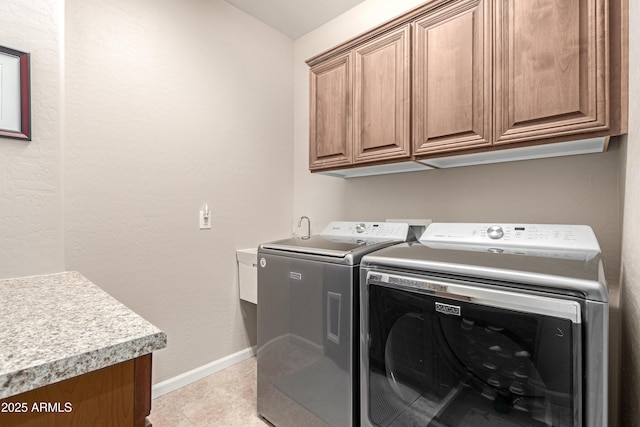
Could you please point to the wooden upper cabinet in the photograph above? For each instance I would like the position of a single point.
(330, 124)
(452, 78)
(551, 69)
(382, 98)
(465, 76)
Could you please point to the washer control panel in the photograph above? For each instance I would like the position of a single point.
(547, 236)
(367, 230)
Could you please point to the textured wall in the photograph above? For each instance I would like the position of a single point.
(169, 107)
(630, 270)
(564, 190)
(30, 172)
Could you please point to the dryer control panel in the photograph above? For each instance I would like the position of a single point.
(527, 236)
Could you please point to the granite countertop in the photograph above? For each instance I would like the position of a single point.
(59, 326)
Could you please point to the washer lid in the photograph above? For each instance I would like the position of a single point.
(317, 245)
(342, 238)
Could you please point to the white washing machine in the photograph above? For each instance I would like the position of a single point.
(485, 325)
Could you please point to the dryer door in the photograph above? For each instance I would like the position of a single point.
(446, 354)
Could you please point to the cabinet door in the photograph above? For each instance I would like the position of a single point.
(382, 98)
(452, 78)
(551, 69)
(330, 113)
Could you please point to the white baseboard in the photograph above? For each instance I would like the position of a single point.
(200, 372)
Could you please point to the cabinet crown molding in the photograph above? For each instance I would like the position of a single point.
(390, 25)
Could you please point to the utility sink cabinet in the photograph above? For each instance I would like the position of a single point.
(456, 77)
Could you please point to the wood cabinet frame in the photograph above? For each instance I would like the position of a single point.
(546, 93)
(382, 98)
(331, 113)
(504, 108)
(452, 109)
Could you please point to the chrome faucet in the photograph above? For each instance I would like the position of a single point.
(308, 226)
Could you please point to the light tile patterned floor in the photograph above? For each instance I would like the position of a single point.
(226, 398)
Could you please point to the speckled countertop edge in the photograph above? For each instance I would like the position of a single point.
(59, 326)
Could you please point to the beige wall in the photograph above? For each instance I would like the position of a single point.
(169, 107)
(630, 269)
(564, 190)
(142, 112)
(31, 237)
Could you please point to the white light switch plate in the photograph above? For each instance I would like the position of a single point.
(205, 222)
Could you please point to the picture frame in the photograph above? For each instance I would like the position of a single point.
(15, 94)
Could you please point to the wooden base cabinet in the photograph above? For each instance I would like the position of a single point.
(116, 396)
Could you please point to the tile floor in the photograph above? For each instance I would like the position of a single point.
(226, 398)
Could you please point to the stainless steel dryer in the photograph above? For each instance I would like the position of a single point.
(485, 325)
(308, 323)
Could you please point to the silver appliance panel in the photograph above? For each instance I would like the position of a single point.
(308, 320)
(490, 296)
(533, 285)
(562, 275)
(589, 344)
(306, 342)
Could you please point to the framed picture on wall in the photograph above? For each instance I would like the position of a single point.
(15, 96)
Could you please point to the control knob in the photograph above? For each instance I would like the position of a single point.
(495, 232)
(361, 227)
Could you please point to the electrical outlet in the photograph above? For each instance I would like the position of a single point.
(205, 219)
